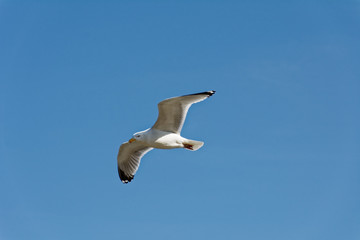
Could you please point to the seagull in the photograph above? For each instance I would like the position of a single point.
(165, 134)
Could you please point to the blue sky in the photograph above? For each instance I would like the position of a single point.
(281, 158)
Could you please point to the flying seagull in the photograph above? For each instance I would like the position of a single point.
(165, 134)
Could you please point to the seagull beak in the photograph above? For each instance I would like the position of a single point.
(131, 140)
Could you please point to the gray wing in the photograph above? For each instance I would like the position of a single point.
(172, 111)
(128, 159)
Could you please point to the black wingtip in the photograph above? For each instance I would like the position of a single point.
(212, 92)
(209, 93)
(123, 177)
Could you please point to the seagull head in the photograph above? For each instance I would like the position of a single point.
(137, 137)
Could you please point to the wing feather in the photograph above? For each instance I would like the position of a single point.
(172, 111)
(129, 158)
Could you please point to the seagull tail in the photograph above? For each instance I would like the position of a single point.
(193, 145)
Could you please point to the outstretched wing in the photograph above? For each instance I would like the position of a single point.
(128, 159)
(172, 111)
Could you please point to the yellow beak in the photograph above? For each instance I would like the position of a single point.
(131, 140)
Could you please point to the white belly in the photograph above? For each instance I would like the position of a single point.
(165, 140)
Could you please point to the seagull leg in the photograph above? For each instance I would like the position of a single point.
(188, 146)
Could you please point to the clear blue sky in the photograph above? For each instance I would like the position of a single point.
(281, 158)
